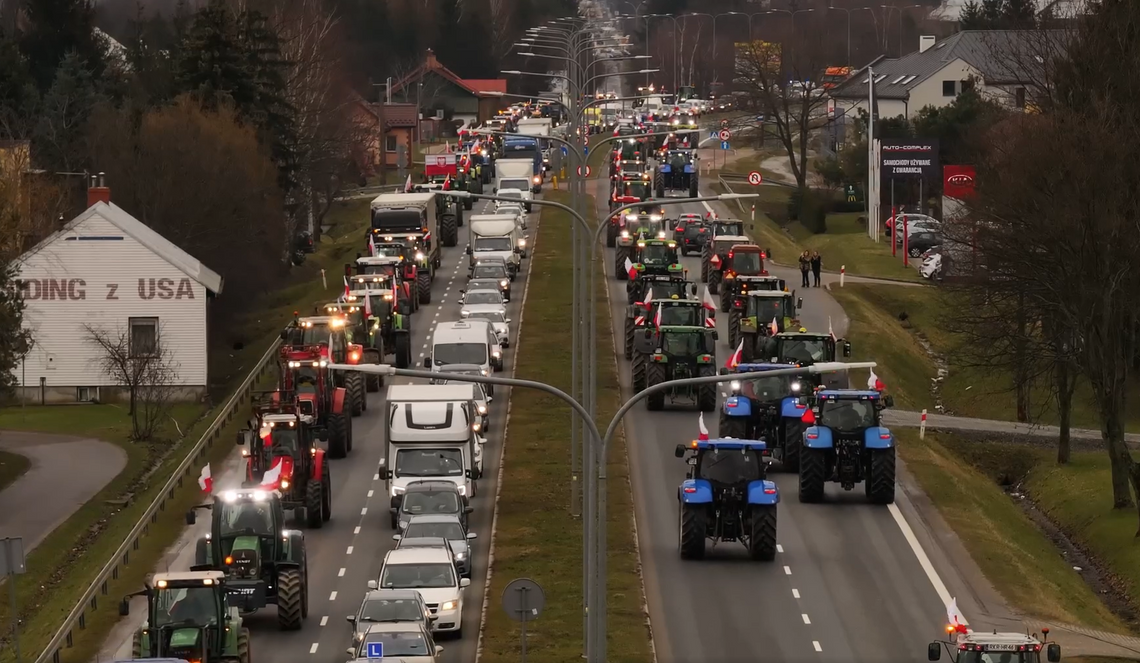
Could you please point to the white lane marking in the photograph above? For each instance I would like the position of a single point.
(815, 643)
(349, 551)
(370, 495)
(365, 511)
(376, 477)
(923, 560)
(356, 530)
(779, 548)
(787, 570)
(324, 620)
(806, 620)
(422, 354)
(795, 593)
(313, 649)
(332, 597)
(339, 574)
(706, 204)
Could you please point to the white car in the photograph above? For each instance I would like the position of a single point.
(931, 267)
(496, 315)
(510, 189)
(484, 297)
(513, 209)
(431, 572)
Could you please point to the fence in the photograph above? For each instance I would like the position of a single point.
(89, 602)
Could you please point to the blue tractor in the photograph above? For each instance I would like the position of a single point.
(677, 171)
(767, 407)
(726, 496)
(847, 444)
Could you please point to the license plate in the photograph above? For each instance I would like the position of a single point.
(244, 591)
(1001, 647)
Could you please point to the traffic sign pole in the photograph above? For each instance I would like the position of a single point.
(755, 178)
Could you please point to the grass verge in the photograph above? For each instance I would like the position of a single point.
(535, 538)
(12, 467)
(66, 562)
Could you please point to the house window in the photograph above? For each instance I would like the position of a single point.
(144, 337)
(390, 144)
(1019, 97)
(86, 394)
(949, 88)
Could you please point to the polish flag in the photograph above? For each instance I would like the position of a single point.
(657, 318)
(447, 148)
(873, 382)
(408, 185)
(368, 303)
(205, 480)
(830, 331)
(956, 621)
(704, 436)
(347, 290)
(648, 299)
(272, 478)
(447, 182)
(774, 327)
(372, 244)
(734, 360)
(708, 302)
(629, 269)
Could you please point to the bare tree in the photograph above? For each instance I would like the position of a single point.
(499, 26)
(31, 203)
(149, 374)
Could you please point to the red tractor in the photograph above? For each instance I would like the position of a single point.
(304, 372)
(281, 455)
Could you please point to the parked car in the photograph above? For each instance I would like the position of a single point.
(931, 267)
(910, 218)
(920, 242)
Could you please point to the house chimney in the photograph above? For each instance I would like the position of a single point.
(97, 191)
(430, 61)
(925, 42)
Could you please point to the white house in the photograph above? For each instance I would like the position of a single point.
(997, 61)
(109, 270)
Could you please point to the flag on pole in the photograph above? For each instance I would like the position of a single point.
(347, 289)
(734, 360)
(447, 147)
(629, 268)
(657, 318)
(956, 621)
(774, 326)
(447, 182)
(273, 477)
(708, 302)
(205, 480)
(830, 331)
(873, 382)
(368, 303)
(408, 185)
(648, 298)
(372, 244)
(704, 436)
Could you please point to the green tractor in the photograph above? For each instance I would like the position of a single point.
(263, 562)
(673, 311)
(188, 618)
(682, 352)
(656, 257)
(804, 348)
(751, 316)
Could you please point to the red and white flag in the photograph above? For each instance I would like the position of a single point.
(282, 468)
(830, 331)
(372, 244)
(955, 619)
(648, 299)
(734, 360)
(368, 303)
(447, 182)
(657, 318)
(629, 269)
(408, 185)
(447, 147)
(774, 327)
(704, 436)
(873, 382)
(347, 289)
(708, 302)
(205, 480)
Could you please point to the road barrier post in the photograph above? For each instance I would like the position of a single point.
(922, 426)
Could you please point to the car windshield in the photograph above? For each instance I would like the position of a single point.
(246, 517)
(390, 610)
(484, 297)
(305, 380)
(489, 316)
(397, 644)
(417, 576)
(997, 657)
(847, 415)
(492, 244)
(666, 290)
(765, 388)
(682, 343)
(390, 250)
(450, 531)
(681, 316)
(283, 439)
(432, 502)
(694, 229)
(489, 272)
(482, 284)
(429, 463)
(730, 466)
(310, 334)
(185, 605)
(767, 308)
(459, 353)
(748, 262)
(520, 184)
(658, 254)
(803, 350)
(637, 189)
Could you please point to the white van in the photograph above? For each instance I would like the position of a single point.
(496, 235)
(465, 342)
(431, 572)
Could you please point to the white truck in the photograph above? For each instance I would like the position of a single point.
(430, 435)
(516, 175)
(535, 126)
(496, 236)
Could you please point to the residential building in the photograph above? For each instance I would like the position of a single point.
(1000, 63)
(399, 122)
(106, 270)
(439, 93)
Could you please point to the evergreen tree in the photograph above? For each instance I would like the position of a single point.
(17, 340)
(1019, 14)
(212, 61)
(62, 116)
(972, 17)
(18, 94)
(270, 110)
(56, 28)
(992, 12)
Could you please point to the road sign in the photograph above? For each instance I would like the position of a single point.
(588, 171)
(854, 194)
(713, 134)
(12, 556)
(375, 650)
(724, 144)
(755, 178)
(523, 600)
(565, 151)
(725, 134)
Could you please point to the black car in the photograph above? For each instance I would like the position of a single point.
(497, 271)
(433, 497)
(919, 243)
(695, 237)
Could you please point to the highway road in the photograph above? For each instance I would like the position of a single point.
(847, 584)
(347, 552)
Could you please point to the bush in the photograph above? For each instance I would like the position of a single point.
(810, 207)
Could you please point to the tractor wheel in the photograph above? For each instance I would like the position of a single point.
(414, 294)
(714, 281)
(736, 427)
(338, 436)
(423, 283)
(136, 646)
(725, 301)
(326, 492)
(880, 484)
(403, 350)
(748, 352)
(348, 435)
(468, 204)
(655, 374)
(611, 236)
(684, 251)
(733, 329)
(704, 268)
(630, 330)
(201, 552)
(355, 393)
(659, 185)
(314, 504)
(813, 466)
(693, 527)
(706, 393)
(762, 538)
(449, 230)
(793, 443)
(373, 383)
(243, 655)
(620, 257)
(289, 599)
(694, 185)
(638, 371)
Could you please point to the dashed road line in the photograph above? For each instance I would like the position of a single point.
(815, 643)
(370, 493)
(313, 649)
(339, 574)
(349, 551)
(787, 570)
(805, 618)
(324, 620)
(779, 548)
(795, 593)
(332, 597)
(364, 511)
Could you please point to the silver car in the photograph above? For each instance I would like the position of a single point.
(429, 531)
(385, 606)
(407, 642)
(496, 315)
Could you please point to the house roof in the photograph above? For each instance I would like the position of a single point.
(476, 87)
(994, 53)
(144, 235)
(494, 86)
(398, 115)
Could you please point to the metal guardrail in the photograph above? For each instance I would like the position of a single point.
(89, 602)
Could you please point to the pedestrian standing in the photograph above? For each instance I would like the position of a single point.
(816, 266)
(805, 265)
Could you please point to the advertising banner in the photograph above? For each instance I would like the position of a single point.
(958, 182)
(909, 159)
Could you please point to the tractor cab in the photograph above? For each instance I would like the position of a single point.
(728, 227)
(849, 411)
(744, 260)
(630, 149)
(971, 647)
(806, 348)
(762, 404)
(657, 288)
(417, 245)
(656, 256)
(187, 618)
(281, 452)
(632, 189)
(678, 160)
(768, 305)
(325, 332)
(681, 352)
(754, 383)
(664, 313)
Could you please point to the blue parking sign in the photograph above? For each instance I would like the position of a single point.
(375, 650)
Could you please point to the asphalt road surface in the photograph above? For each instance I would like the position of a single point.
(65, 473)
(347, 552)
(847, 584)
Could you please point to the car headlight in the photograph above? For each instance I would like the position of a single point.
(496, 354)
(482, 409)
(625, 234)
(503, 283)
(522, 242)
(654, 217)
(734, 385)
(419, 255)
(465, 313)
(796, 387)
(397, 491)
(661, 235)
(483, 371)
(449, 605)
(462, 489)
(460, 556)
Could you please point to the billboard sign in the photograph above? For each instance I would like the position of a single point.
(909, 159)
(958, 182)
